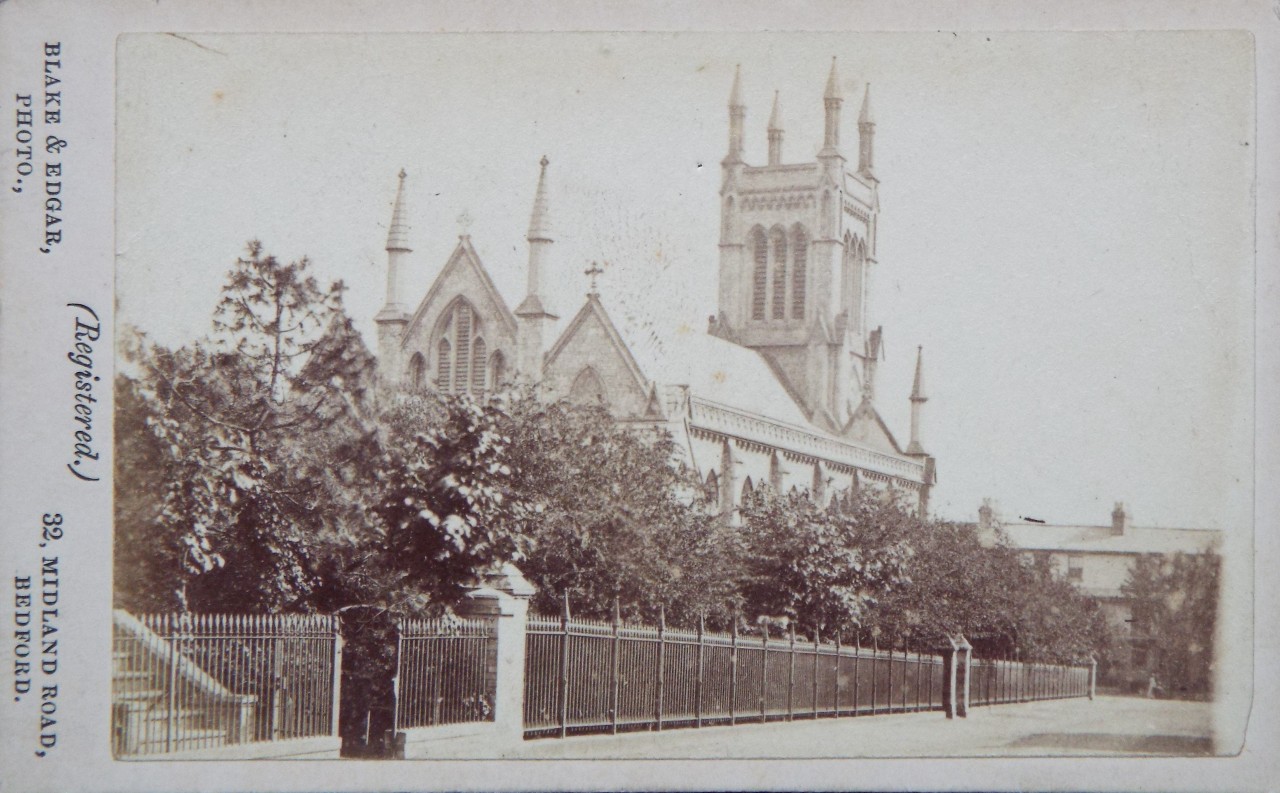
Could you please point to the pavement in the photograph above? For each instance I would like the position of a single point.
(1107, 726)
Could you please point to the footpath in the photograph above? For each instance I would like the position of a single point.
(1110, 726)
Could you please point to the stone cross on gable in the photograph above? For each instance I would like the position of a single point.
(593, 272)
(464, 224)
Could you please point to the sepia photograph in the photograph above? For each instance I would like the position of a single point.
(596, 396)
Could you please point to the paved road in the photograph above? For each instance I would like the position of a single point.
(1112, 726)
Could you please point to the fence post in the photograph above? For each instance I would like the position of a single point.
(395, 681)
(1093, 677)
(857, 659)
(171, 700)
(733, 672)
(905, 664)
(815, 672)
(564, 666)
(764, 670)
(875, 671)
(504, 601)
(949, 678)
(615, 680)
(662, 636)
(697, 694)
(791, 674)
(336, 704)
(837, 686)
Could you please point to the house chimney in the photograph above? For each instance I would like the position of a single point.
(1119, 519)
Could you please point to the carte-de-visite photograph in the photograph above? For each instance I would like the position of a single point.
(700, 396)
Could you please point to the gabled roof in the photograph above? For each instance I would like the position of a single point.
(594, 309)
(867, 417)
(1100, 539)
(464, 256)
(713, 369)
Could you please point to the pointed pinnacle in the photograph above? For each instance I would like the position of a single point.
(864, 117)
(833, 83)
(539, 222)
(775, 118)
(398, 234)
(917, 387)
(735, 96)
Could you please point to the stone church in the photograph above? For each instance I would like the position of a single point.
(780, 390)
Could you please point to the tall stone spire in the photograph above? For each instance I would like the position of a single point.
(394, 317)
(917, 401)
(737, 116)
(831, 100)
(533, 320)
(775, 132)
(866, 136)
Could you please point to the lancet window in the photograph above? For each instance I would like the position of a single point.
(462, 357)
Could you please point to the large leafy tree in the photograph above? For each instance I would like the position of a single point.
(617, 516)
(820, 568)
(1175, 604)
(237, 418)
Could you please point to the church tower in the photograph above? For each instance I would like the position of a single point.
(797, 242)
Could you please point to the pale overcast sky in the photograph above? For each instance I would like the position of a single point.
(1066, 219)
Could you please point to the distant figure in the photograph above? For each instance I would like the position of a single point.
(1152, 687)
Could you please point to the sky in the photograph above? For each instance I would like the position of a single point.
(1066, 219)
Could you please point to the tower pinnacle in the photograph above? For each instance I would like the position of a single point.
(831, 100)
(737, 115)
(775, 132)
(866, 136)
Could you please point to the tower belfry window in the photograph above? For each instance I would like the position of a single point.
(799, 271)
(760, 272)
(778, 251)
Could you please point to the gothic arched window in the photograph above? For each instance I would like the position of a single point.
(498, 364)
(759, 273)
(444, 364)
(799, 269)
(775, 473)
(778, 255)
(463, 326)
(747, 490)
(479, 365)
(417, 371)
(588, 389)
(462, 357)
(711, 490)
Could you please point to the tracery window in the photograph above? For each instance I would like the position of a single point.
(462, 357)
(587, 388)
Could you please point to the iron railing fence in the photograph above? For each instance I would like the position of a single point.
(445, 671)
(198, 681)
(585, 676)
(996, 682)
